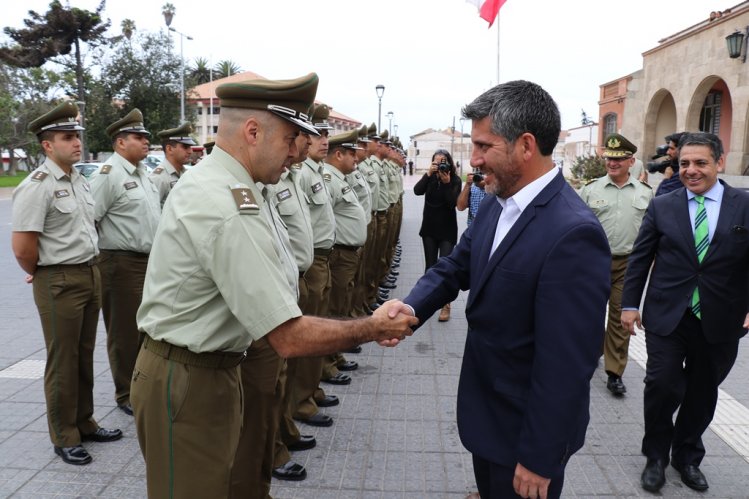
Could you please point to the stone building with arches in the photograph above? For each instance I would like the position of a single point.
(687, 83)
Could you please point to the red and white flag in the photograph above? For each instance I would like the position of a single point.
(488, 9)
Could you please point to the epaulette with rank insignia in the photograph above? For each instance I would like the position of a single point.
(158, 170)
(245, 200)
(39, 175)
(327, 177)
(646, 184)
(104, 170)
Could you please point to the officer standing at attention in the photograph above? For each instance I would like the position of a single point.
(54, 240)
(177, 146)
(217, 284)
(350, 224)
(127, 211)
(619, 201)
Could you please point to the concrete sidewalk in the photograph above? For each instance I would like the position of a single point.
(394, 433)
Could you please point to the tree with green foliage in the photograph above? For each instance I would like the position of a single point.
(588, 167)
(200, 71)
(225, 68)
(128, 28)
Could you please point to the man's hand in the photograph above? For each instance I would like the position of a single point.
(469, 179)
(630, 318)
(30, 278)
(528, 484)
(668, 172)
(394, 322)
(746, 322)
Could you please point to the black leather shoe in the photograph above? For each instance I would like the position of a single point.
(103, 435)
(616, 386)
(338, 379)
(319, 419)
(126, 408)
(73, 455)
(305, 442)
(387, 285)
(328, 401)
(395, 273)
(348, 365)
(290, 471)
(692, 476)
(381, 299)
(653, 476)
(356, 349)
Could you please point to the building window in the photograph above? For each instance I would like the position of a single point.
(609, 124)
(199, 130)
(216, 109)
(200, 110)
(215, 129)
(710, 114)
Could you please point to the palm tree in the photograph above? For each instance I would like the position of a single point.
(200, 71)
(128, 27)
(226, 68)
(168, 10)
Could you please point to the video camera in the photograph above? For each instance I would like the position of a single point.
(660, 160)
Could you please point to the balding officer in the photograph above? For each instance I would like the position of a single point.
(619, 200)
(177, 146)
(220, 279)
(54, 240)
(127, 211)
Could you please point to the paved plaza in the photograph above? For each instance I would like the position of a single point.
(394, 436)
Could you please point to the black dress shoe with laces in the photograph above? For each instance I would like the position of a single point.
(319, 419)
(126, 408)
(338, 379)
(653, 476)
(691, 476)
(290, 471)
(356, 349)
(73, 455)
(328, 401)
(616, 386)
(348, 365)
(305, 442)
(103, 435)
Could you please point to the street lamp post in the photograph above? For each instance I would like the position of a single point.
(182, 37)
(82, 110)
(380, 89)
(390, 115)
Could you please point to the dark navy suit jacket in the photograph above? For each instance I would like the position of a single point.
(535, 327)
(666, 237)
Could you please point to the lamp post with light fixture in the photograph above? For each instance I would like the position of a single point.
(380, 89)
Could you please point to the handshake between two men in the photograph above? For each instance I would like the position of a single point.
(306, 336)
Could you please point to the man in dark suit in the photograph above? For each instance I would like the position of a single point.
(695, 307)
(537, 263)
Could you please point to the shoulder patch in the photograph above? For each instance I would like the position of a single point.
(157, 170)
(104, 170)
(327, 177)
(345, 190)
(283, 195)
(245, 199)
(130, 185)
(296, 166)
(316, 187)
(39, 175)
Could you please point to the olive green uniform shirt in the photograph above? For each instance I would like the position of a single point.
(383, 197)
(350, 224)
(283, 244)
(214, 280)
(619, 209)
(293, 207)
(357, 182)
(313, 184)
(164, 177)
(370, 175)
(393, 174)
(61, 209)
(126, 207)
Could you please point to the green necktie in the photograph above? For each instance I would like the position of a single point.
(701, 243)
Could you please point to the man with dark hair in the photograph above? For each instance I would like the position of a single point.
(536, 261)
(695, 311)
(177, 146)
(54, 241)
(671, 180)
(127, 212)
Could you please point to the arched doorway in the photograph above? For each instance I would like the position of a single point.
(660, 120)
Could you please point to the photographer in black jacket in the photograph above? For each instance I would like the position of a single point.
(671, 180)
(440, 187)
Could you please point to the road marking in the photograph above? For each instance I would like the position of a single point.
(25, 369)
(731, 420)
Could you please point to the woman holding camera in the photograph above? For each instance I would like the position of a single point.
(440, 187)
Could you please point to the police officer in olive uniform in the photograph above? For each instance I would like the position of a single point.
(351, 223)
(177, 146)
(127, 211)
(359, 181)
(221, 279)
(619, 200)
(54, 240)
(383, 206)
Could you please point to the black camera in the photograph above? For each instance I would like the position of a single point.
(443, 166)
(478, 177)
(660, 160)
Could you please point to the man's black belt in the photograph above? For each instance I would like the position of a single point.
(323, 252)
(619, 257)
(134, 254)
(210, 360)
(347, 248)
(382, 212)
(83, 265)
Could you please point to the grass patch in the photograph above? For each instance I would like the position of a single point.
(6, 181)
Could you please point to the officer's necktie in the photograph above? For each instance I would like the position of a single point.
(701, 242)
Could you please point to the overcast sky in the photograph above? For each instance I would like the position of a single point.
(433, 56)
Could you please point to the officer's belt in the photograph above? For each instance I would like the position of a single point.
(82, 266)
(210, 360)
(323, 251)
(134, 254)
(382, 212)
(347, 248)
(620, 257)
